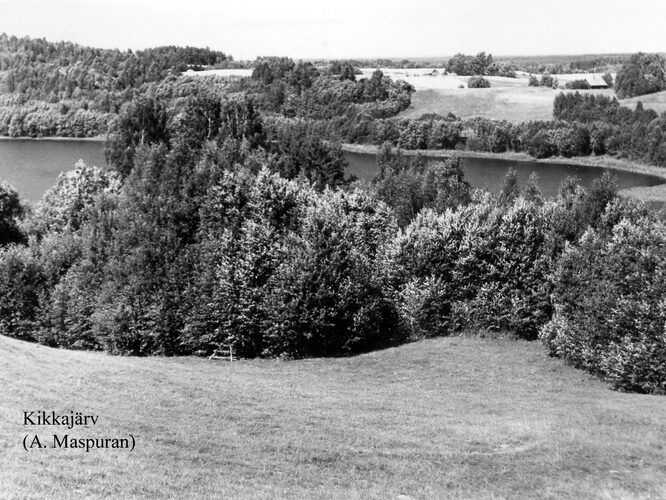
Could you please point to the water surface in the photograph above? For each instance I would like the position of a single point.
(33, 166)
(488, 173)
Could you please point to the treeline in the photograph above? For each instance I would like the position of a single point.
(64, 89)
(567, 64)
(38, 69)
(583, 125)
(68, 90)
(204, 242)
(641, 74)
(479, 65)
(190, 179)
(638, 134)
(302, 90)
(41, 119)
(535, 64)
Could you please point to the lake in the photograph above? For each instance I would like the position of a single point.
(33, 166)
(488, 173)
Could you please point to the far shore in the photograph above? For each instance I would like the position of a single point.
(644, 193)
(98, 138)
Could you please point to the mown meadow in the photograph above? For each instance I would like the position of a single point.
(456, 417)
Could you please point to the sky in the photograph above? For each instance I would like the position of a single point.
(348, 28)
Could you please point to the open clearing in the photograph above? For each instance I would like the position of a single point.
(508, 99)
(655, 101)
(512, 103)
(459, 417)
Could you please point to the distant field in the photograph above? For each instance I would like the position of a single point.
(498, 103)
(220, 72)
(447, 418)
(508, 99)
(654, 101)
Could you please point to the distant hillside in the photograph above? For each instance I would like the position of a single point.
(655, 101)
(69, 90)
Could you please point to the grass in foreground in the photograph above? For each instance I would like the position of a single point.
(446, 418)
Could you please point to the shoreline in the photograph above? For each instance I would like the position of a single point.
(609, 162)
(98, 138)
(644, 193)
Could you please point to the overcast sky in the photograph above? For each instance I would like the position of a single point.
(348, 28)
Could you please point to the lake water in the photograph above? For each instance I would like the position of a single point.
(33, 166)
(488, 173)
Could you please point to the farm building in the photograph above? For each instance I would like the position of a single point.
(596, 82)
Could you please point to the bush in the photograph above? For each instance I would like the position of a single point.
(548, 80)
(328, 297)
(484, 265)
(408, 185)
(246, 219)
(610, 311)
(66, 205)
(578, 84)
(641, 74)
(22, 291)
(478, 82)
(11, 210)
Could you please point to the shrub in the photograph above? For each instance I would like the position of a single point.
(505, 268)
(424, 307)
(641, 74)
(540, 145)
(22, 290)
(409, 185)
(11, 210)
(478, 82)
(486, 261)
(328, 296)
(578, 84)
(548, 80)
(242, 241)
(67, 203)
(609, 307)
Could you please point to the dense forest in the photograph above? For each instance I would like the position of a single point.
(68, 90)
(225, 216)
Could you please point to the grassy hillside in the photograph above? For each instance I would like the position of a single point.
(453, 417)
(512, 103)
(655, 101)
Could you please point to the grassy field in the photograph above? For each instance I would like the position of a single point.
(512, 103)
(456, 417)
(508, 99)
(653, 101)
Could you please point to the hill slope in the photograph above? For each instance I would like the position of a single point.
(656, 101)
(453, 417)
(515, 104)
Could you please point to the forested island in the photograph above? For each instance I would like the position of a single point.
(225, 216)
